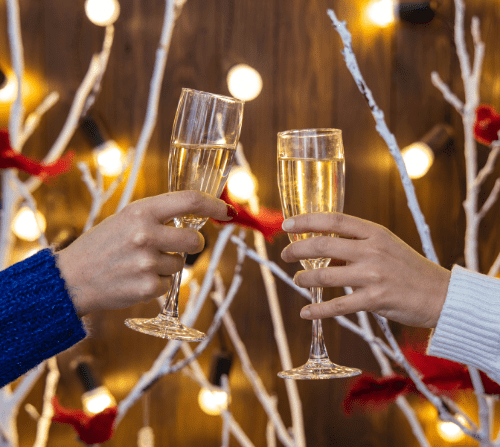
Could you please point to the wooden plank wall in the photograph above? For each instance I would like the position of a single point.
(306, 84)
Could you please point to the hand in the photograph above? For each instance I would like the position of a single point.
(388, 277)
(129, 257)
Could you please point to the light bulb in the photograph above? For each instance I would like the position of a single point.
(418, 158)
(381, 12)
(27, 226)
(241, 184)
(450, 431)
(110, 159)
(8, 92)
(213, 401)
(97, 400)
(244, 82)
(102, 12)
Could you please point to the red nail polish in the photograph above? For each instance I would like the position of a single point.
(231, 211)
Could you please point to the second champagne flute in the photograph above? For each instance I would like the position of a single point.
(311, 180)
(204, 137)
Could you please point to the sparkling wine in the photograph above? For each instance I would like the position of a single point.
(198, 168)
(310, 186)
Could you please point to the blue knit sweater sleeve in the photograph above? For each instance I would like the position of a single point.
(37, 317)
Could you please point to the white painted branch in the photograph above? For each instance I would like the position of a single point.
(73, 118)
(412, 419)
(17, 57)
(10, 202)
(490, 201)
(489, 165)
(273, 267)
(195, 372)
(388, 137)
(161, 365)
(443, 412)
(495, 268)
(153, 99)
(104, 57)
(33, 119)
(260, 391)
(214, 326)
(387, 370)
(447, 93)
(45, 420)
(270, 430)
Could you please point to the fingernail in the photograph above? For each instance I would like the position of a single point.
(305, 313)
(288, 224)
(231, 211)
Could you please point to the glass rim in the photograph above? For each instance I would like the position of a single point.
(216, 95)
(308, 133)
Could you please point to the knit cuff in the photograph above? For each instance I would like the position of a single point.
(37, 316)
(468, 330)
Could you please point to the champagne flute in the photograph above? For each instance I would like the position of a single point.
(203, 144)
(311, 180)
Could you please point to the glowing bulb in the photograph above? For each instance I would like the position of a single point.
(418, 158)
(187, 274)
(8, 92)
(110, 159)
(97, 400)
(102, 12)
(213, 401)
(241, 184)
(450, 431)
(244, 82)
(381, 12)
(27, 226)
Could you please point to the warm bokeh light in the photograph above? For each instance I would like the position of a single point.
(28, 227)
(187, 275)
(110, 159)
(97, 400)
(381, 12)
(241, 184)
(8, 92)
(102, 12)
(418, 158)
(450, 431)
(244, 82)
(212, 401)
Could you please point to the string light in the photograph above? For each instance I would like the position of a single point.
(241, 184)
(102, 12)
(244, 82)
(384, 12)
(450, 431)
(214, 400)
(381, 12)
(8, 87)
(110, 159)
(28, 226)
(96, 398)
(418, 158)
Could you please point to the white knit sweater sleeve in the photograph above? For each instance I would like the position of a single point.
(468, 330)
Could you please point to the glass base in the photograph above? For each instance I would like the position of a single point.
(319, 369)
(165, 327)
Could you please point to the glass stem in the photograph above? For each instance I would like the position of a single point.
(318, 349)
(171, 306)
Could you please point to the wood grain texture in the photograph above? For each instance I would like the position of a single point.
(306, 84)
